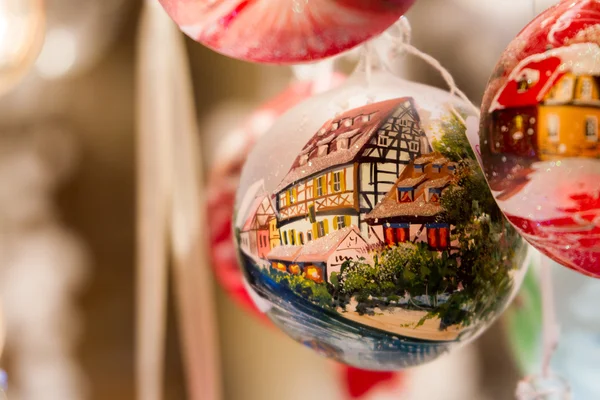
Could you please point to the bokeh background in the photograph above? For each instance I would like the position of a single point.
(71, 122)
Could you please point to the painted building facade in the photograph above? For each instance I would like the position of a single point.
(346, 169)
(410, 211)
(321, 257)
(550, 107)
(257, 236)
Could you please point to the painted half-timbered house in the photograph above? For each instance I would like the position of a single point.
(257, 236)
(410, 211)
(347, 168)
(321, 257)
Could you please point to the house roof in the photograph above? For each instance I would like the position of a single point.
(284, 253)
(320, 249)
(411, 182)
(317, 250)
(546, 70)
(359, 125)
(438, 183)
(419, 208)
(251, 220)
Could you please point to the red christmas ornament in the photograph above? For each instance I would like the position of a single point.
(359, 383)
(539, 137)
(283, 31)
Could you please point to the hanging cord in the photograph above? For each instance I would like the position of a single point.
(402, 45)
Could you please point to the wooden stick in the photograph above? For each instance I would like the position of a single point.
(193, 279)
(153, 174)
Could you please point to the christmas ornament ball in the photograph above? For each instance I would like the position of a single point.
(283, 31)
(366, 230)
(539, 137)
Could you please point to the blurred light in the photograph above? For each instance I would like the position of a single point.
(58, 55)
(21, 37)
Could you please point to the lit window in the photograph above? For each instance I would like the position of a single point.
(301, 238)
(293, 237)
(309, 236)
(519, 123)
(292, 193)
(553, 127)
(383, 141)
(413, 146)
(337, 181)
(591, 129)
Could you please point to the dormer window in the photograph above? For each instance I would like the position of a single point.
(586, 89)
(303, 159)
(342, 144)
(322, 151)
(366, 118)
(406, 194)
(322, 131)
(335, 125)
(348, 123)
(419, 168)
(437, 168)
(529, 78)
(434, 194)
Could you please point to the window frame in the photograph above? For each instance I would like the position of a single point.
(591, 138)
(337, 181)
(553, 121)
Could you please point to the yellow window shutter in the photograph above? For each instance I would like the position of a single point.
(324, 184)
(347, 220)
(314, 188)
(287, 197)
(331, 180)
(315, 231)
(335, 225)
(326, 226)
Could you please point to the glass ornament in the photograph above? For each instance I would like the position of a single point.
(283, 31)
(366, 230)
(21, 38)
(539, 138)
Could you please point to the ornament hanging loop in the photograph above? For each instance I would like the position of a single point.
(402, 46)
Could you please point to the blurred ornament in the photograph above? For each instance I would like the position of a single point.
(365, 226)
(539, 134)
(283, 31)
(22, 34)
(42, 265)
(224, 180)
(79, 32)
(578, 353)
(523, 321)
